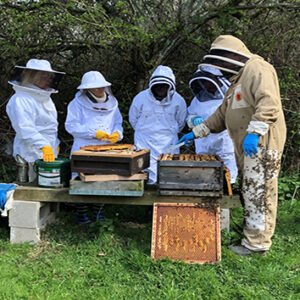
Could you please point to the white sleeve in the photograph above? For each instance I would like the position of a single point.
(134, 114)
(258, 127)
(181, 114)
(22, 117)
(73, 125)
(118, 124)
(191, 113)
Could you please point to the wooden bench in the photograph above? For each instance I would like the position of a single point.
(39, 194)
(35, 207)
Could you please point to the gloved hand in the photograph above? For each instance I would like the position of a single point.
(250, 144)
(48, 154)
(101, 135)
(187, 138)
(114, 137)
(197, 120)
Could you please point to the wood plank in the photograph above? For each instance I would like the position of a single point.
(192, 186)
(27, 193)
(94, 192)
(202, 193)
(112, 177)
(190, 163)
(113, 153)
(107, 188)
(228, 181)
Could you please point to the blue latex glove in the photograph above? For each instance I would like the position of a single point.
(187, 138)
(197, 120)
(250, 144)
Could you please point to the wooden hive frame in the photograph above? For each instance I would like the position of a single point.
(186, 231)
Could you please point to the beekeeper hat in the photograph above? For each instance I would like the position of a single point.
(221, 54)
(92, 80)
(163, 75)
(39, 65)
(231, 44)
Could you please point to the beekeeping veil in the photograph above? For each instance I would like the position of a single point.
(212, 75)
(228, 54)
(25, 75)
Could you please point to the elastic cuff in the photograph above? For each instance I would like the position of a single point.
(258, 127)
(201, 130)
(189, 121)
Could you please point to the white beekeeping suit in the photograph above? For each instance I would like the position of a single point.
(32, 112)
(157, 120)
(87, 115)
(203, 105)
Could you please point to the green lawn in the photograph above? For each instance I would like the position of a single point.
(112, 261)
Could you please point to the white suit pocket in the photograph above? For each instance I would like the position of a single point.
(238, 100)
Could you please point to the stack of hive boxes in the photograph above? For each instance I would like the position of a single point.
(114, 170)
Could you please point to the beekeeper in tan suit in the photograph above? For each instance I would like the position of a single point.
(253, 115)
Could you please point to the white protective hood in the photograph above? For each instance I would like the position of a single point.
(163, 75)
(219, 81)
(39, 95)
(110, 105)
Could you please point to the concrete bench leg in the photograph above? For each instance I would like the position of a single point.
(225, 219)
(28, 218)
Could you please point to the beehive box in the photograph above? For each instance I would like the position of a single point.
(125, 163)
(188, 232)
(190, 175)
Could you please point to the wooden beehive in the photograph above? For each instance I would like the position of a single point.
(190, 175)
(121, 162)
(187, 232)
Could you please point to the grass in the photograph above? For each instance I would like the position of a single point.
(112, 261)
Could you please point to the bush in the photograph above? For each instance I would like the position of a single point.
(289, 188)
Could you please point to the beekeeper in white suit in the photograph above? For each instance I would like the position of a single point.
(93, 116)
(157, 114)
(33, 114)
(209, 86)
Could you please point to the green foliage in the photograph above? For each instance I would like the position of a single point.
(7, 170)
(289, 188)
(290, 88)
(126, 40)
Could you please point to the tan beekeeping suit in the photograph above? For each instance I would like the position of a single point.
(252, 104)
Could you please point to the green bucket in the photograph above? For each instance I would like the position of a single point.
(54, 174)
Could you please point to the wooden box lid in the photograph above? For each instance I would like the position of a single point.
(125, 152)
